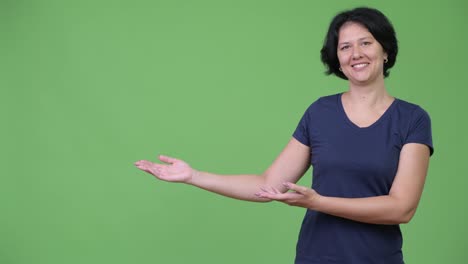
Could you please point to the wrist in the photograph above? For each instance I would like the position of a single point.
(317, 204)
(194, 175)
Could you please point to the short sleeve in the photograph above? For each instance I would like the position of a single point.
(420, 129)
(302, 130)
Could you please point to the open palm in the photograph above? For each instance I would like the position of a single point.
(174, 170)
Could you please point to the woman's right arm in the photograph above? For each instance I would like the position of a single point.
(289, 166)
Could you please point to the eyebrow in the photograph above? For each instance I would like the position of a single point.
(347, 42)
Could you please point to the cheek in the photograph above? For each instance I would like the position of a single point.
(345, 56)
(341, 59)
(378, 54)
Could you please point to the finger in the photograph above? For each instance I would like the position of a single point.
(265, 190)
(275, 190)
(296, 188)
(260, 195)
(143, 162)
(272, 196)
(267, 195)
(146, 168)
(139, 162)
(167, 159)
(150, 167)
(270, 190)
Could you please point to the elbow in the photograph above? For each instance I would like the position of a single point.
(403, 210)
(404, 216)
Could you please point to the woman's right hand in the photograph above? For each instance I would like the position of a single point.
(174, 170)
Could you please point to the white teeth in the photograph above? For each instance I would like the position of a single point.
(361, 65)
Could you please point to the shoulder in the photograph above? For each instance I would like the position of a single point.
(414, 124)
(408, 107)
(324, 102)
(410, 111)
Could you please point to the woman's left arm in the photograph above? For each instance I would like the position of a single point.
(397, 207)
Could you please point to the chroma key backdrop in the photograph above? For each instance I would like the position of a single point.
(89, 87)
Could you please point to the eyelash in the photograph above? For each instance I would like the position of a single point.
(365, 43)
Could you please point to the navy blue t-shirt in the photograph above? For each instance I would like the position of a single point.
(351, 162)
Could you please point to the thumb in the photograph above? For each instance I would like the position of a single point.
(167, 159)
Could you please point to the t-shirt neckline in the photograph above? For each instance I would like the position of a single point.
(382, 117)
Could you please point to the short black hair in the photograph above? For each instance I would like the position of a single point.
(377, 24)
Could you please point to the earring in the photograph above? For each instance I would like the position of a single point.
(385, 60)
(340, 69)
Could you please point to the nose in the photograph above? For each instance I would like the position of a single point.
(357, 53)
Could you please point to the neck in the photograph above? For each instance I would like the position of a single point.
(368, 94)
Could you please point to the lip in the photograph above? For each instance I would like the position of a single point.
(354, 64)
(364, 66)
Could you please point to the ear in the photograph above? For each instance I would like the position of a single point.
(385, 56)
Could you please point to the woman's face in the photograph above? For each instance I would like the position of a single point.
(360, 55)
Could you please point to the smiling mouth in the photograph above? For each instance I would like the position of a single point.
(360, 65)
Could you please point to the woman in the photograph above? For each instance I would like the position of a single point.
(370, 153)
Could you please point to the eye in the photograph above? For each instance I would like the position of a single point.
(366, 43)
(344, 47)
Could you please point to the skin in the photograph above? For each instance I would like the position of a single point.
(361, 59)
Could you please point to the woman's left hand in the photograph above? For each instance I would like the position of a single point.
(299, 196)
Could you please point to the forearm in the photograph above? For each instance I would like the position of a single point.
(242, 187)
(374, 210)
(290, 165)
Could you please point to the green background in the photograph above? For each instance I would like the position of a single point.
(89, 87)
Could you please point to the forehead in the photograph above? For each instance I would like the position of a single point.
(351, 31)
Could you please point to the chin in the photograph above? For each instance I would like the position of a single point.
(360, 79)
